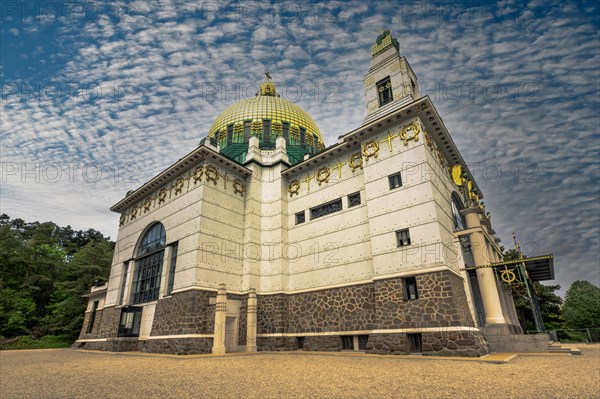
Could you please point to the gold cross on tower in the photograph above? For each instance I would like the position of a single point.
(389, 140)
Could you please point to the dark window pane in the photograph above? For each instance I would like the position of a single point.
(266, 131)
(302, 136)
(395, 181)
(172, 265)
(384, 90)
(285, 131)
(90, 326)
(403, 238)
(300, 217)
(154, 239)
(410, 288)
(247, 130)
(147, 278)
(354, 199)
(326, 209)
(229, 134)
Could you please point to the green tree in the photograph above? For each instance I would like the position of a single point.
(582, 305)
(550, 307)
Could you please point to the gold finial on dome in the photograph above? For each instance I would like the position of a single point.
(267, 88)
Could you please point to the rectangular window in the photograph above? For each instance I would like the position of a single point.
(147, 278)
(229, 134)
(299, 342)
(316, 143)
(266, 131)
(90, 326)
(410, 288)
(347, 342)
(302, 136)
(384, 90)
(300, 217)
(354, 199)
(414, 343)
(395, 180)
(362, 342)
(402, 238)
(129, 324)
(172, 265)
(247, 131)
(326, 209)
(285, 131)
(124, 275)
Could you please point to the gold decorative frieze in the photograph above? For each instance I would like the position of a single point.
(294, 187)
(207, 173)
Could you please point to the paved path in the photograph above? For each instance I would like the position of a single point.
(66, 373)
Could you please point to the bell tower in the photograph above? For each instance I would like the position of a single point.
(390, 82)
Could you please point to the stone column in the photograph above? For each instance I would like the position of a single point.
(220, 321)
(485, 276)
(251, 329)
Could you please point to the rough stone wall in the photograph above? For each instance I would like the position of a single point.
(454, 343)
(178, 346)
(441, 303)
(106, 323)
(394, 344)
(272, 313)
(339, 309)
(316, 344)
(184, 313)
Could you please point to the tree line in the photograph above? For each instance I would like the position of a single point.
(44, 271)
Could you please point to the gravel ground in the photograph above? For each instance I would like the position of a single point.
(67, 373)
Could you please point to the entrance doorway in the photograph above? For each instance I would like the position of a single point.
(231, 334)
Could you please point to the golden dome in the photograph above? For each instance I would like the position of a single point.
(268, 106)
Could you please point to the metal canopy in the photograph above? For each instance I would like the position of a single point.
(539, 268)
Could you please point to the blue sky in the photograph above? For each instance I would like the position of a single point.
(98, 97)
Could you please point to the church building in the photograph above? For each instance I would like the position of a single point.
(265, 239)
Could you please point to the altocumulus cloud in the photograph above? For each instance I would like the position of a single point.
(98, 97)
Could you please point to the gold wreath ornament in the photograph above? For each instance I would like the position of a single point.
(147, 204)
(355, 161)
(323, 175)
(198, 174)
(178, 186)
(371, 149)
(410, 132)
(162, 195)
(212, 173)
(134, 212)
(238, 187)
(122, 220)
(294, 187)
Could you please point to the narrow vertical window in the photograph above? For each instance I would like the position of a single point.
(172, 265)
(410, 288)
(384, 90)
(266, 131)
(90, 326)
(247, 131)
(395, 180)
(415, 342)
(124, 278)
(402, 238)
(302, 136)
(316, 143)
(285, 131)
(300, 217)
(229, 134)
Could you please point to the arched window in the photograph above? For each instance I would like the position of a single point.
(457, 206)
(149, 262)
